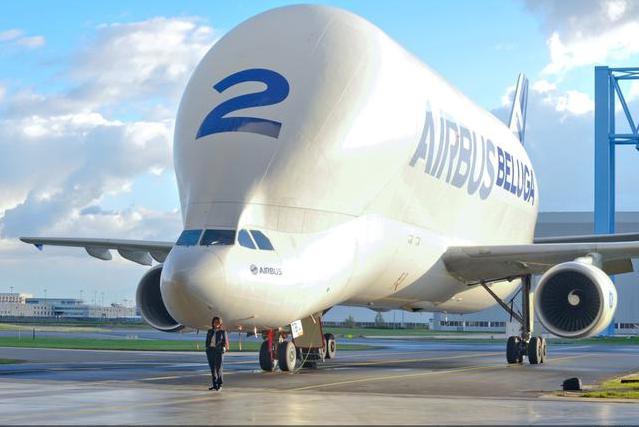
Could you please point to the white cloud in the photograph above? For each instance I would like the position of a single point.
(31, 42)
(73, 152)
(507, 97)
(560, 143)
(9, 35)
(543, 86)
(633, 92)
(140, 59)
(615, 10)
(615, 45)
(587, 32)
(574, 102)
(560, 148)
(3, 92)
(569, 103)
(16, 36)
(69, 162)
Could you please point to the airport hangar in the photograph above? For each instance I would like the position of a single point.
(626, 319)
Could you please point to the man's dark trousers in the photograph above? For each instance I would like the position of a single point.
(215, 359)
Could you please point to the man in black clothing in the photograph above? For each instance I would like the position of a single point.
(217, 343)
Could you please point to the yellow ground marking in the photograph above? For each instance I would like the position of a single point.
(420, 374)
(343, 355)
(206, 396)
(422, 359)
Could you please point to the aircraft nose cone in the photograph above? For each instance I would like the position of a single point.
(193, 286)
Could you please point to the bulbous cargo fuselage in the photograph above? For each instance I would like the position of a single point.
(358, 164)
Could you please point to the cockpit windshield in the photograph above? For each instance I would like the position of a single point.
(218, 238)
(189, 238)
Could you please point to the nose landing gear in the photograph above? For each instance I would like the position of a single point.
(302, 352)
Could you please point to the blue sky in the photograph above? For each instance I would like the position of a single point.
(89, 90)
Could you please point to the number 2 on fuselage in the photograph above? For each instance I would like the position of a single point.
(276, 91)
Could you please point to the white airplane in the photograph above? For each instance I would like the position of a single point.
(319, 163)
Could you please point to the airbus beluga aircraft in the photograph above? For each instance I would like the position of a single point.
(319, 163)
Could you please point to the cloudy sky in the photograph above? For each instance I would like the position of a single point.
(89, 91)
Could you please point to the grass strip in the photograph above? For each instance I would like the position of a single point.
(135, 344)
(615, 389)
(10, 361)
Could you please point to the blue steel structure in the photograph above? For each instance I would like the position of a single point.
(607, 91)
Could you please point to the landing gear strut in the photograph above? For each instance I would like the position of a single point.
(533, 347)
(305, 351)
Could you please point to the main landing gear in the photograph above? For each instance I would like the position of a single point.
(525, 344)
(279, 351)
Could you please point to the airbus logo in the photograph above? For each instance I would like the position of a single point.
(276, 271)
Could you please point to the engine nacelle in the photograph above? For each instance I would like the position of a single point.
(152, 307)
(575, 300)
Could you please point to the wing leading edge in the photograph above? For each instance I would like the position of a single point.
(139, 251)
(476, 264)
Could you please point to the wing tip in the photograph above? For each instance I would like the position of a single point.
(32, 241)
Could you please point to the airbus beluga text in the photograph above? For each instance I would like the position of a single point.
(319, 163)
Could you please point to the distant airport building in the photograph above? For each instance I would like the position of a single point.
(15, 305)
(562, 224)
(14, 297)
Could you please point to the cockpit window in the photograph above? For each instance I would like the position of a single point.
(218, 237)
(189, 238)
(262, 241)
(245, 240)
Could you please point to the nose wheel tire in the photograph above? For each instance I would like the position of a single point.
(266, 362)
(286, 356)
(331, 346)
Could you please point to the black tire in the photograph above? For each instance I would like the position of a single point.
(266, 363)
(544, 349)
(286, 356)
(534, 350)
(513, 352)
(330, 351)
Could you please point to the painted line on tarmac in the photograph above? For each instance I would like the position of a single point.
(172, 377)
(391, 377)
(379, 352)
(423, 359)
(206, 396)
(420, 374)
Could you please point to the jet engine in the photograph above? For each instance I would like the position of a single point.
(575, 300)
(152, 307)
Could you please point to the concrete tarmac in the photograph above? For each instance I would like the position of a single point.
(405, 382)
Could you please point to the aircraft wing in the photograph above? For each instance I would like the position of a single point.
(590, 238)
(474, 264)
(140, 251)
